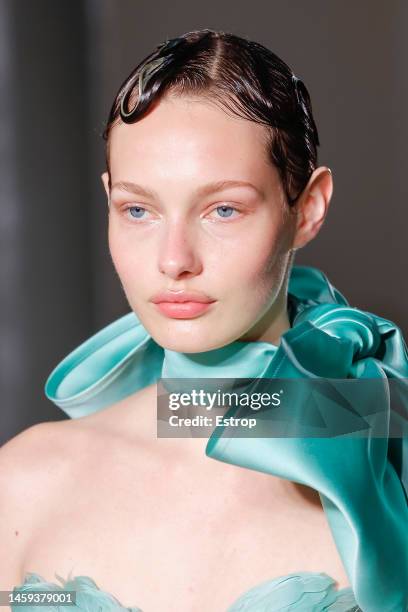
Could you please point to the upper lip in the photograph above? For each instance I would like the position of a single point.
(181, 296)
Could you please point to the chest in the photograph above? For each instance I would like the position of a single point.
(152, 534)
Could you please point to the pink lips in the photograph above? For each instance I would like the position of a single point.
(184, 310)
(182, 304)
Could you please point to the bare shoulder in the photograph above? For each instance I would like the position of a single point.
(25, 460)
(39, 467)
(29, 463)
(49, 462)
(43, 452)
(35, 460)
(40, 454)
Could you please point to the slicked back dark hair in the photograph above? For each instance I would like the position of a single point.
(242, 77)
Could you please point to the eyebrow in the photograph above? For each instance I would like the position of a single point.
(204, 190)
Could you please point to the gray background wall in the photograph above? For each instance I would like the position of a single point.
(60, 66)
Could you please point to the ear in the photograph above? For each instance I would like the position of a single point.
(312, 206)
(105, 181)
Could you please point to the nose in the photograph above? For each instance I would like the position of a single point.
(178, 252)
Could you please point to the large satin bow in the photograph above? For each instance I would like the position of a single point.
(362, 482)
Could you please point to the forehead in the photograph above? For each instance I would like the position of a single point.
(191, 136)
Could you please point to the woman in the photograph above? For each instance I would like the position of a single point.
(212, 185)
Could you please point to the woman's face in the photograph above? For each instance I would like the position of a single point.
(188, 229)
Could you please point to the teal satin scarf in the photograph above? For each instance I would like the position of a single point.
(362, 482)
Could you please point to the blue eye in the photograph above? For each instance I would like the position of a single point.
(225, 209)
(134, 210)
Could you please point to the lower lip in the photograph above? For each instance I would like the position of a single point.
(183, 310)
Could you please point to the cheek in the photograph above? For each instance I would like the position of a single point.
(258, 264)
(124, 254)
(115, 247)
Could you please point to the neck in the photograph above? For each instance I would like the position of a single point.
(225, 362)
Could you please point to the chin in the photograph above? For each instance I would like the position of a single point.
(187, 336)
(188, 343)
(179, 345)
